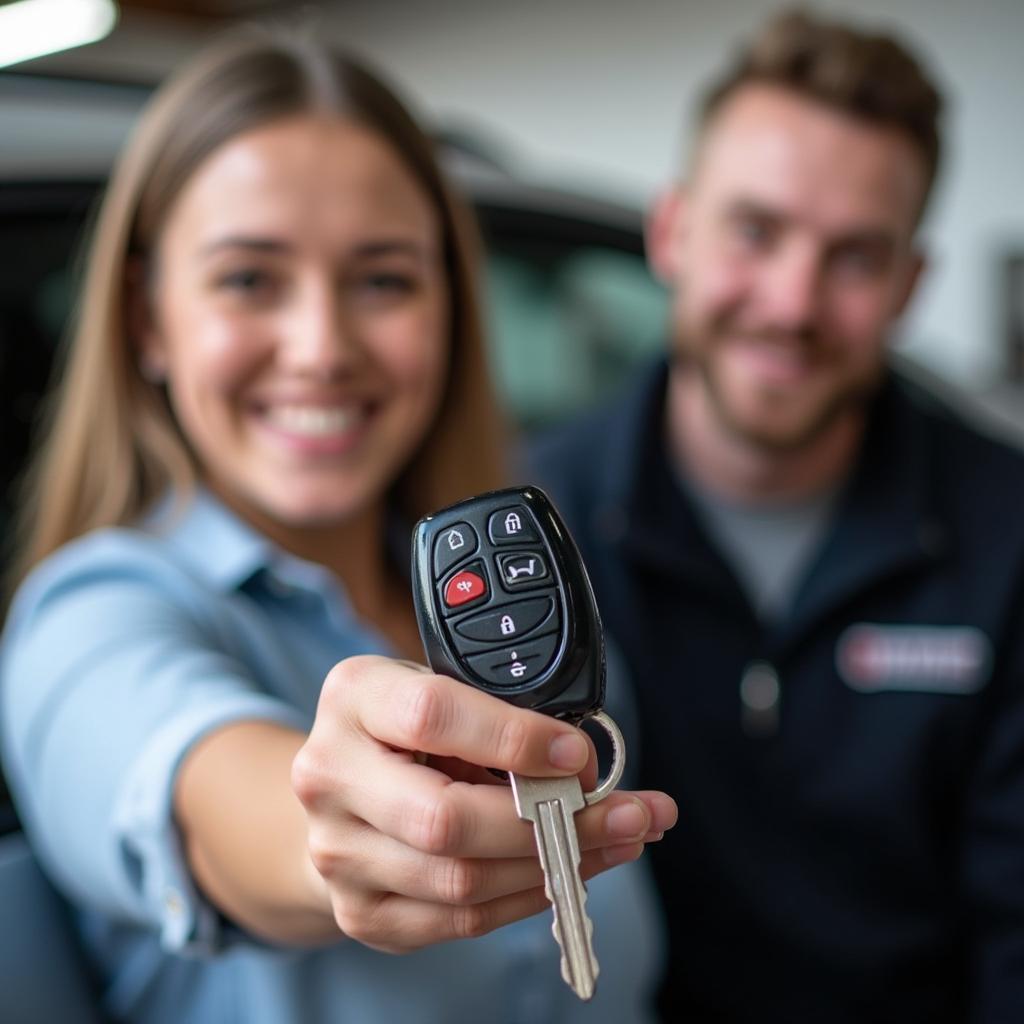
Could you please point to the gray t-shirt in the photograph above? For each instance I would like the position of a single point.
(768, 546)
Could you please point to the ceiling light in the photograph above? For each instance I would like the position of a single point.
(34, 28)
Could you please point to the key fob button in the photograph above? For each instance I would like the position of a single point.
(510, 622)
(465, 587)
(453, 544)
(512, 525)
(516, 665)
(521, 569)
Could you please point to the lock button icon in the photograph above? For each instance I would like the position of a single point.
(512, 526)
(508, 627)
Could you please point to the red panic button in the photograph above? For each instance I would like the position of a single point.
(463, 587)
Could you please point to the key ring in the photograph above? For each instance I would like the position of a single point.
(602, 789)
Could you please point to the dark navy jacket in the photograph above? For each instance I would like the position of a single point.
(856, 852)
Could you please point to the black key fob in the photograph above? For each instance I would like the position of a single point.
(504, 603)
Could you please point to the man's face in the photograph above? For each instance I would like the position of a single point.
(791, 253)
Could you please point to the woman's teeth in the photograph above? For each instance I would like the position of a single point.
(313, 421)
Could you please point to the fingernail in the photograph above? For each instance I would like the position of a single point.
(569, 752)
(627, 821)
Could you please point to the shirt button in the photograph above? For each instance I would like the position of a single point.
(759, 697)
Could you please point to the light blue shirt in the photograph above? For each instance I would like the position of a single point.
(126, 647)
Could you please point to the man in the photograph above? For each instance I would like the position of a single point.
(815, 571)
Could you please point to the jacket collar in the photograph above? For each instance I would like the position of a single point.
(886, 521)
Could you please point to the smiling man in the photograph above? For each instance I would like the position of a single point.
(815, 570)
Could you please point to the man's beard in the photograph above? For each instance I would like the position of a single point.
(849, 396)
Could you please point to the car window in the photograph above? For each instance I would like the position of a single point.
(566, 330)
(40, 228)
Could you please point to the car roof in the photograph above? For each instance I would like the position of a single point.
(58, 128)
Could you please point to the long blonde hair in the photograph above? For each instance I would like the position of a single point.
(110, 444)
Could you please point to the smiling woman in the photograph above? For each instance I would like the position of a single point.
(299, 317)
(114, 444)
(277, 368)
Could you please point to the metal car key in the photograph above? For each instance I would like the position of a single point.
(504, 603)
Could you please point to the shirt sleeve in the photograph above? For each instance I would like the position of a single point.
(993, 854)
(114, 665)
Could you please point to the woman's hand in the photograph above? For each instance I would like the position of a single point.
(421, 849)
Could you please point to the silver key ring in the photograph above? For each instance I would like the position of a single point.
(618, 757)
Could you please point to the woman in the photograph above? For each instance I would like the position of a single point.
(276, 369)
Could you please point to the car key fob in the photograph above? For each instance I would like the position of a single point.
(504, 603)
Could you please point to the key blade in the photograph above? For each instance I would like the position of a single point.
(551, 804)
(572, 927)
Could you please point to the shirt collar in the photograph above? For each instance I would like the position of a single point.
(228, 552)
(215, 542)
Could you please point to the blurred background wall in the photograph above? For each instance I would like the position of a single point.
(596, 94)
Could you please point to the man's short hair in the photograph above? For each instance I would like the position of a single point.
(872, 77)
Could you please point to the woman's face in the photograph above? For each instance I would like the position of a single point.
(300, 319)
